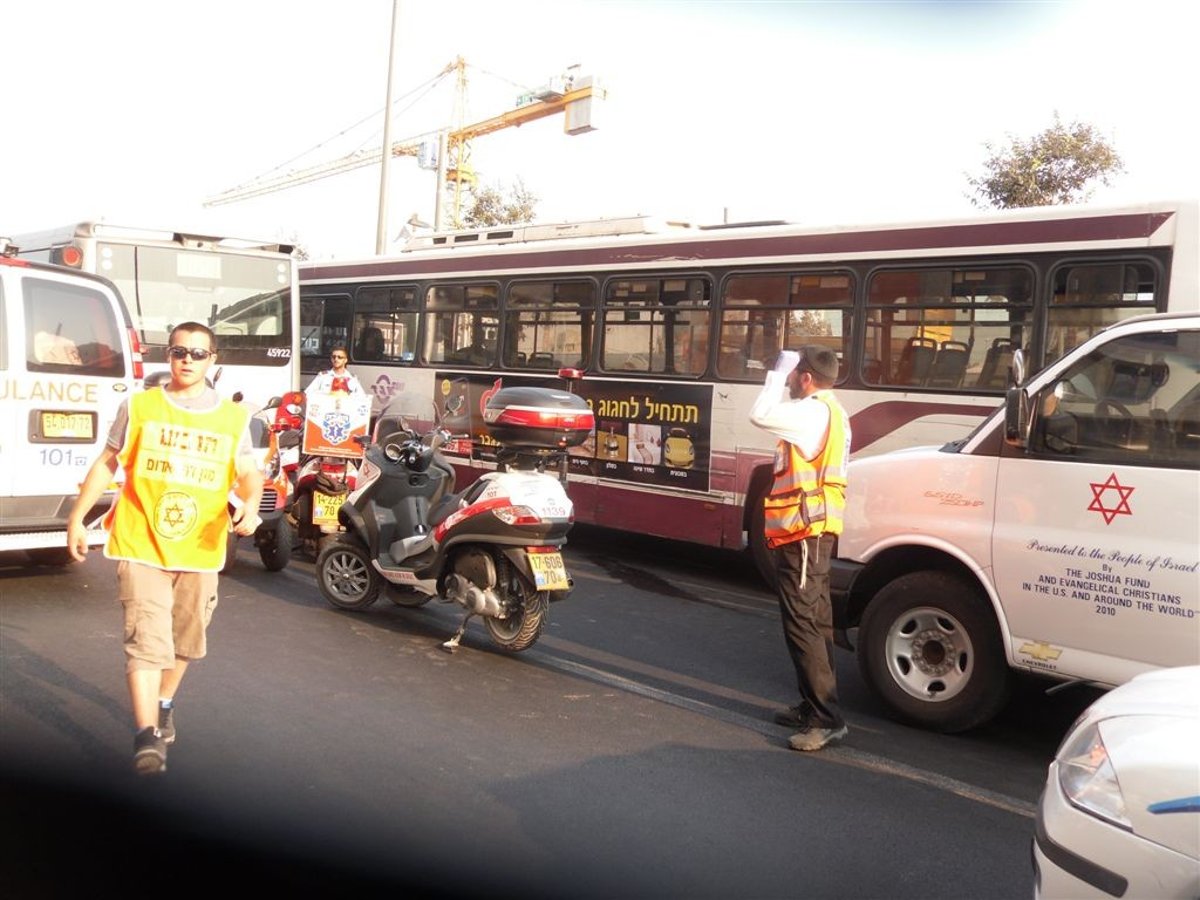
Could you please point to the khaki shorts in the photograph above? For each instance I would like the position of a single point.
(166, 614)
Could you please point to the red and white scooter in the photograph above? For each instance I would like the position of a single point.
(494, 548)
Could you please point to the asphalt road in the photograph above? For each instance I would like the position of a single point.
(629, 753)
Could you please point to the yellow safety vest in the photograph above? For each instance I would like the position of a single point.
(179, 466)
(808, 497)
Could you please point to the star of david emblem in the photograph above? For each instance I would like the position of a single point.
(1119, 498)
(335, 427)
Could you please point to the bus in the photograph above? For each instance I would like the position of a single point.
(245, 291)
(675, 325)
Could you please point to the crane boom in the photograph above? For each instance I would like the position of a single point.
(547, 104)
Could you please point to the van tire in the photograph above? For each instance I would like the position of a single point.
(930, 649)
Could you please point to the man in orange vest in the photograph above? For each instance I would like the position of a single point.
(803, 513)
(182, 448)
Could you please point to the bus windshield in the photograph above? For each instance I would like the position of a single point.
(244, 299)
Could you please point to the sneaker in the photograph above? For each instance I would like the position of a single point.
(797, 717)
(816, 738)
(149, 752)
(166, 723)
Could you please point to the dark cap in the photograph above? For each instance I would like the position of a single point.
(821, 361)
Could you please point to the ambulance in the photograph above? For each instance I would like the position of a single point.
(1061, 537)
(68, 357)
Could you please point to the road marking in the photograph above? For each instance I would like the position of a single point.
(840, 755)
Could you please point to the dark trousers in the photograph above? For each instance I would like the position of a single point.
(808, 624)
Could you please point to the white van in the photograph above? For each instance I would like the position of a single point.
(1061, 537)
(68, 357)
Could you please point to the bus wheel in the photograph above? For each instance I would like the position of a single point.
(929, 648)
(764, 556)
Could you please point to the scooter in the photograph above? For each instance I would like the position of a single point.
(281, 421)
(493, 548)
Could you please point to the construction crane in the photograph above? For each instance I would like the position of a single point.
(570, 94)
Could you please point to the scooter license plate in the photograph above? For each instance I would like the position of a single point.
(549, 571)
(325, 508)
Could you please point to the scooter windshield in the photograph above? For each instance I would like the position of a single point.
(408, 412)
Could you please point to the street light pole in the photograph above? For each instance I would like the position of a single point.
(385, 163)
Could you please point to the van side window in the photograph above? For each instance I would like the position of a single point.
(1134, 401)
(70, 329)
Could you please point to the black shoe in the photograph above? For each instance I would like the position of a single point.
(149, 752)
(166, 723)
(797, 717)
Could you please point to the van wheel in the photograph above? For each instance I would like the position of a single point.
(50, 556)
(764, 556)
(930, 649)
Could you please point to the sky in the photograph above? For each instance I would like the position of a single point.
(137, 111)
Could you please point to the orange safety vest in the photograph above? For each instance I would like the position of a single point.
(179, 466)
(809, 496)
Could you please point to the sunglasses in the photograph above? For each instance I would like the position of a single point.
(199, 354)
(338, 356)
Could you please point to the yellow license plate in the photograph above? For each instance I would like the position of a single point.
(69, 426)
(325, 508)
(549, 571)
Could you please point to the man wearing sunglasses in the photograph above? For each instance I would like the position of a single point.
(182, 448)
(337, 378)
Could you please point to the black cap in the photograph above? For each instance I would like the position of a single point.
(821, 361)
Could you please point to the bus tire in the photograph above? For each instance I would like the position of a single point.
(763, 556)
(930, 649)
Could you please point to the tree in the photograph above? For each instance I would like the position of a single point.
(490, 206)
(1051, 168)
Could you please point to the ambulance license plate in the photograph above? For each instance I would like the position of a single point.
(549, 571)
(325, 508)
(68, 426)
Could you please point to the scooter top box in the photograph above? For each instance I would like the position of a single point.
(538, 417)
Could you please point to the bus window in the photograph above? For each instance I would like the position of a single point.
(548, 324)
(946, 328)
(764, 314)
(462, 322)
(656, 325)
(385, 324)
(324, 324)
(1089, 298)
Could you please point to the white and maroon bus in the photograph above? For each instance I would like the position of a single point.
(674, 326)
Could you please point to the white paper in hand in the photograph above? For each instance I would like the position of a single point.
(787, 361)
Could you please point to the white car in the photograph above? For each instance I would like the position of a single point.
(1120, 813)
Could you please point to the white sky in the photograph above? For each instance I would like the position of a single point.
(138, 110)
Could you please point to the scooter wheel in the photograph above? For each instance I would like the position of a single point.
(346, 577)
(275, 548)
